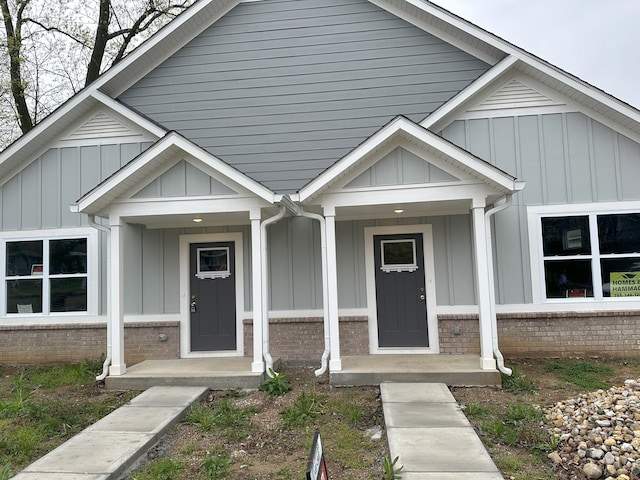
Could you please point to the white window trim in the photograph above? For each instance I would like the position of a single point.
(93, 283)
(534, 216)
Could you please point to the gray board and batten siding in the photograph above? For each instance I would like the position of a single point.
(564, 158)
(282, 89)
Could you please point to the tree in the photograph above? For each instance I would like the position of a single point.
(50, 49)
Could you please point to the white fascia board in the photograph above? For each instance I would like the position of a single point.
(181, 22)
(224, 168)
(140, 121)
(511, 50)
(182, 205)
(169, 146)
(444, 115)
(432, 141)
(351, 159)
(471, 164)
(56, 122)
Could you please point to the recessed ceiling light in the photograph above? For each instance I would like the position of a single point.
(197, 219)
(398, 210)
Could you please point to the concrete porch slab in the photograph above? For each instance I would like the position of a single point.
(452, 370)
(215, 373)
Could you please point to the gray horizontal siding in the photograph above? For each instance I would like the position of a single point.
(563, 158)
(282, 89)
(38, 197)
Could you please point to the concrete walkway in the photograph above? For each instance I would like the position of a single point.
(110, 446)
(431, 436)
(425, 428)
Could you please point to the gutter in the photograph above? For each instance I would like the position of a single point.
(492, 289)
(298, 211)
(107, 360)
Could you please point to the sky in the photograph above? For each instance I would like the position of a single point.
(596, 40)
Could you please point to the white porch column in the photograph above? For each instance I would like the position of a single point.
(116, 298)
(487, 362)
(335, 362)
(257, 365)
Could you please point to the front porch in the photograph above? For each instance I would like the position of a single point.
(235, 372)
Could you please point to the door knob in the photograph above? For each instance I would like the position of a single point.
(422, 297)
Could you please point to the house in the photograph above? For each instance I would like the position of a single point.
(316, 180)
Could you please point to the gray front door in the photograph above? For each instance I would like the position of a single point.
(212, 296)
(400, 290)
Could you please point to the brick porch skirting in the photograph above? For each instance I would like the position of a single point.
(70, 343)
(301, 340)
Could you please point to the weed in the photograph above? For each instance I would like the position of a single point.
(6, 473)
(581, 373)
(162, 469)
(518, 383)
(477, 410)
(20, 401)
(306, 408)
(391, 470)
(216, 466)
(275, 385)
(225, 417)
(519, 412)
(286, 473)
(355, 414)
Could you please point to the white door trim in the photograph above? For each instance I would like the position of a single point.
(430, 287)
(185, 317)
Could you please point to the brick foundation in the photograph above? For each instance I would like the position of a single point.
(557, 334)
(301, 340)
(42, 344)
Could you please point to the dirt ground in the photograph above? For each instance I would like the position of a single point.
(271, 452)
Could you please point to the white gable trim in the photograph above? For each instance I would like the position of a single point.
(171, 148)
(402, 126)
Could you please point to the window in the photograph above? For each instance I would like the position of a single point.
(213, 262)
(398, 256)
(596, 255)
(46, 275)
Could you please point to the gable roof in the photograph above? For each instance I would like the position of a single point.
(170, 148)
(502, 55)
(403, 130)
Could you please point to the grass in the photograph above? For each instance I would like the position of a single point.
(41, 407)
(584, 374)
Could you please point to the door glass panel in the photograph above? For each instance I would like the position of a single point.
(213, 262)
(398, 255)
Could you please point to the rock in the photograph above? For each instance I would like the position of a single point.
(592, 471)
(374, 433)
(609, 459)
(554, 457)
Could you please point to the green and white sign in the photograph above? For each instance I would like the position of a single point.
(625, 284)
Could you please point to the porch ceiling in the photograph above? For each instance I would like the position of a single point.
(409, 210)
(186, 220)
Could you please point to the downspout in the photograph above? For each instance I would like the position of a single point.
(297, 210)
(107, 360)
(265, 290)
(492, 295)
